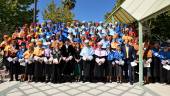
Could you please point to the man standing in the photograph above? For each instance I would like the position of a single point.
(87, 56)
(67, 66)
(129, 54)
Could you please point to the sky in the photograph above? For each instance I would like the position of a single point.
(85, 10)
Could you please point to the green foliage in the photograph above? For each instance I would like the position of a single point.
(70, 4)
(50, 12)
(161, 25)
(14, 13)
(117, 4)
(106, 15)
(57, 14)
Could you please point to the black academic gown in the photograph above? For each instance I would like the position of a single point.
(155, 67)
(78, 65)
(67, 67)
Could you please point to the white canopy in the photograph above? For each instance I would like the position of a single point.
(132, 10)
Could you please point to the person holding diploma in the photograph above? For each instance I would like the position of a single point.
(56, 53)
(20, 57)
(67, 65)
(87, 56)
(77, 58)
(147, 56)
(39, 66)
(129, 56)
(11, 50)
(100, 58)
(48, 59)
(118, 57)
(28, 57)
(110, 64)
(165, 61)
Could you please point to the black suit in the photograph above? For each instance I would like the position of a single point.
(66, 52)
(67, 67)
(128, 59)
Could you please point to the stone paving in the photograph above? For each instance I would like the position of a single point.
(15, 88)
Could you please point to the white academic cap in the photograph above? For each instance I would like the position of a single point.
(72, 24)
(86, 41)
(100, 22)
(83, 21)
(110, 23)
(99, 43)
(116, 23)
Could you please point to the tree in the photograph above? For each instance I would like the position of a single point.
(57, 14)
(50, 12)
(160, 26)
(14, 13)
(70, 4)
(107, 15)
(116, 5)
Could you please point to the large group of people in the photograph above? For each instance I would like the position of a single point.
(82, 51)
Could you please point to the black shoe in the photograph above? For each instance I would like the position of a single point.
(131, 83)
(117, 81)
(10, 80)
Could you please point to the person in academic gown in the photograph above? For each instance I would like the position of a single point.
(110, 64)
(11, 50)
(38, 59)
(100, 58)
(77, 66)
(165, 60)
(48, 63)
(155, 65)
(87, 56)
(118, 58)
(28, 57)
(56, 53)
(20, 57)
(3, 45)
(67, 64)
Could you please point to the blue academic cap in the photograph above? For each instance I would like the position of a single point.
(78, 40)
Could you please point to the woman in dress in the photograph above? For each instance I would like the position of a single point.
(77, 69)
(118, 55)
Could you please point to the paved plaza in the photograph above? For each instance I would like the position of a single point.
(15, 88)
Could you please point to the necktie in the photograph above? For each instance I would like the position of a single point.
(127, 52)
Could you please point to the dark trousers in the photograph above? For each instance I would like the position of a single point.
(39, 71)
(129, 71)
(86, 69)
(55, 73)
(13, 70)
